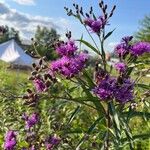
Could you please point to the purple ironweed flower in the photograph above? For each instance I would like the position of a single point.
(120, 66)
(139, 48)
(66, 49)
(51, 141)
(95, 24)
(39, 85)
(10, 140)
(30, 120)
(69, 66)
(109, 88)
(124, 92)
(105, 88)
(124, 47)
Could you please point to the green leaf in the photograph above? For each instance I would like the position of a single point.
(114, 115)
(143, 86)
(116, 120)
(73, 114)
(88, 78)
(89, 45)
(92, 127)
(128, 133)
(108, 34)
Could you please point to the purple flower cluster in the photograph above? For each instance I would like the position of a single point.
(10, 140)
(120, 66)
(136, 49)
(95, 24)
(30, 120)
(109, 88)
(139, 48)
(39, 85)
(124, 47)
(66, 49)
(51, 142)
(105, 88)
(124, 91)
(69, 65)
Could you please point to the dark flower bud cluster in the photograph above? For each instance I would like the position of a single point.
(10, 140)
(42, 80)
(96, 24)
(30, 98)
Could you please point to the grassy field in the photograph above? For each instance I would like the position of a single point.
(15, 82)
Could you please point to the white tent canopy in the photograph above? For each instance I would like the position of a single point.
(12, 53)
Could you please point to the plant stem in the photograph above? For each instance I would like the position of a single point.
(108, 126)
(93, 40)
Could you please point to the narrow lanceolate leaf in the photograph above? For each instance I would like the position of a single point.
(114, 115)
(128, 133)
(73, 114)
(81, 42)
(108, 34)
(143, 86)
(89, 131)
(89, 79)
(116, 120)
(89, 45)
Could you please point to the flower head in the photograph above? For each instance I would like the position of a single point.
(51, 141)
(30, 120)
(39, 85)
(10, 140)
(66, 49)
(104, 90)
(139, 48)
(95, 24)
(69, 66)
(124, 47)
(124, 91)
(120, 66)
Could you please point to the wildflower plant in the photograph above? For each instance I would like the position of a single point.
(108, 101)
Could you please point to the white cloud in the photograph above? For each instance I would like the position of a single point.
(26, 24)
(25, 2)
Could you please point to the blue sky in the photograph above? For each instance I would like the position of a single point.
(51, 13)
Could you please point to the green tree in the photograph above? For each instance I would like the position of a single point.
(8, 33)
(45, 39)
(144, 31)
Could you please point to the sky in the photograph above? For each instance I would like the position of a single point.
(25, 15)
